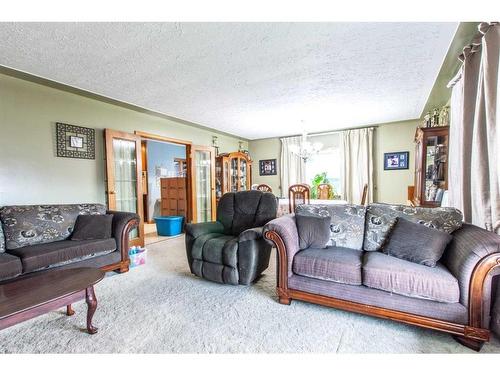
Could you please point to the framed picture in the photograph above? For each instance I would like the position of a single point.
(267, 167)
(396, 160)
(75, 141)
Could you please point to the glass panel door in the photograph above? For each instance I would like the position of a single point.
(203, 176)
(125, 177)
(124, 184)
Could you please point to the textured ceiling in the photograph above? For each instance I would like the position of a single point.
(254, 80)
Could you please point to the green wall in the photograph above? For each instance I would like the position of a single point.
(30, 172)
(390, 186)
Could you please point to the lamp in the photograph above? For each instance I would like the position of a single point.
(306, 149)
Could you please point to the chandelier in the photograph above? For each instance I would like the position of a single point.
(306, 149)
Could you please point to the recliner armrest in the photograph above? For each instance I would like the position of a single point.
(251, 234)
(197, 229)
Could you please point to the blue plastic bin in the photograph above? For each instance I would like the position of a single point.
(169, 225)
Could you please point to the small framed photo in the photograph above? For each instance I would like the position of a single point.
(76, 142)
(396, 160)
(267, 167)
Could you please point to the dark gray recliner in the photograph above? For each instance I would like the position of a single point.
(232, 250)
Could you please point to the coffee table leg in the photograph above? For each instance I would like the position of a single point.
(69, 310)
(91, 307)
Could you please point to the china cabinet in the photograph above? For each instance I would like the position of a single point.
(431, 165)
(232, 173)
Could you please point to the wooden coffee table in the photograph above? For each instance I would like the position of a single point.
(35, 295)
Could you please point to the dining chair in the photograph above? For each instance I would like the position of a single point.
(298, 194)
(364, 195)
(265, 188)
(324, 191)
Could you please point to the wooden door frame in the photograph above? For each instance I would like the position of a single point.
(109, 135)
(188, 144)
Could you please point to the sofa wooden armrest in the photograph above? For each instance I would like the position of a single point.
(123, 223)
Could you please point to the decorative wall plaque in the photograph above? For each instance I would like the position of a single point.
(75, 141)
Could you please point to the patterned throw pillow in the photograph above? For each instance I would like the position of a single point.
(2, 239)
(380, 219)
(347, 224)
(31, 225)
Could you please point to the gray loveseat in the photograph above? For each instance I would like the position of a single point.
(354, 274)
(37, 237)
(232, 250)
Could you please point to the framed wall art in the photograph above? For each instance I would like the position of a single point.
(396, 160)
(267, 167)
(75, 141)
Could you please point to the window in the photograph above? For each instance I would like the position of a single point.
(329, 161)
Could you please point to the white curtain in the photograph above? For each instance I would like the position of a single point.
(474, 140)
(292, 169)
(357, 168)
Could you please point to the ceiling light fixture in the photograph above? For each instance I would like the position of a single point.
(306, 149)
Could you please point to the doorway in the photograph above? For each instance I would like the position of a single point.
(164, 185)
(130, 179)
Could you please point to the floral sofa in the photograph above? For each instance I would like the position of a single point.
(353, 273)
(37, 237)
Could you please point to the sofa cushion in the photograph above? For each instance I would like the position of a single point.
(381, 271)
(31, 225)
(337, 264)
(381, 217)
(347, 222)
(41, 256)
(92, 227)
(416, 243)
(2, 239)
(314, 231)
(10, 266)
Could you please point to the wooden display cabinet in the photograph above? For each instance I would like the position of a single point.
(431, 166)
(233, 172)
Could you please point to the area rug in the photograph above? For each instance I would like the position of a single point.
(161, 308)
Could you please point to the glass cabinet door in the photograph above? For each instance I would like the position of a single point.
(243, 174)
(234, 174)
(435, 167)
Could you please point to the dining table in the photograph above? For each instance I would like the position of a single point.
(284, 206)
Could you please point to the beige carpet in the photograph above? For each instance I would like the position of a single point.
(162, 308)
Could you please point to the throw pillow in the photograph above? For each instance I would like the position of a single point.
(416, 243)
(314, 231)
(92, 227)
